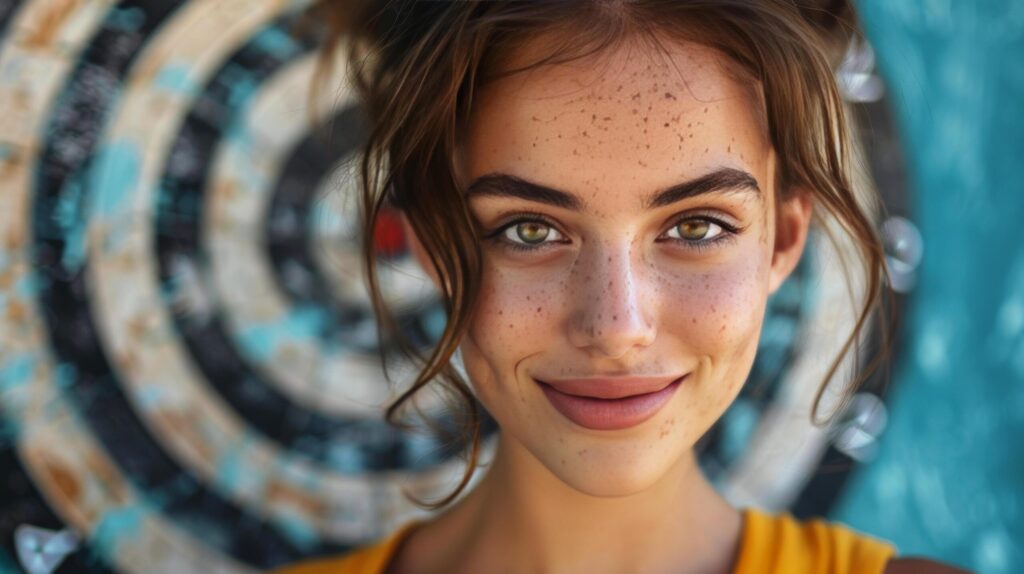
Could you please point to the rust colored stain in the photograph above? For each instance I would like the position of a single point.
(11, 158)
(186, 425)
(66, 482)
(311, 505)
(50, 23)
(6, 279)
(16, 313)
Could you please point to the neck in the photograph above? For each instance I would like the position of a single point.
(522, 518)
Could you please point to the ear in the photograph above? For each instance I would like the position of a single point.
(418, 251)
(792, 223)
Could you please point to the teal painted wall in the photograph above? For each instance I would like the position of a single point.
(948, 481)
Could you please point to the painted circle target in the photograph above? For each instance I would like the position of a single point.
(190, 376)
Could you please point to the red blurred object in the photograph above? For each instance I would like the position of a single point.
(388, 237)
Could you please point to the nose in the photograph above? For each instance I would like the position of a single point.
(612, 312)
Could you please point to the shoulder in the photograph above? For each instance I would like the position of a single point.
(371, 559)
(779, 542)
(920, 566)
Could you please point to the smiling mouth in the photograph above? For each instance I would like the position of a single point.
(623, 410)
(611, 387)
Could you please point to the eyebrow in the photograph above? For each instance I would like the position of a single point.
(721, 180)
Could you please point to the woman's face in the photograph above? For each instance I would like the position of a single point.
(628, 208)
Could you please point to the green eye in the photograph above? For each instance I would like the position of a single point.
(528, 234)
(531, 232)
(696, 230)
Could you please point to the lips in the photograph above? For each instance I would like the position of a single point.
(625, 402)
(611, 387)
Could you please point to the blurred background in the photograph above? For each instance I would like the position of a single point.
(189, 371)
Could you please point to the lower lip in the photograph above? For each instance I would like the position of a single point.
(610, 414)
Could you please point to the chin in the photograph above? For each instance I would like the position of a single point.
(621, 470)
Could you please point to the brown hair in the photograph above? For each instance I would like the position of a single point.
(417, 66)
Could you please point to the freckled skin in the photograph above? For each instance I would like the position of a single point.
(612, 295)
(615, 299)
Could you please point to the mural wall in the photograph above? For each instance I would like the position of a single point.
(190, 375)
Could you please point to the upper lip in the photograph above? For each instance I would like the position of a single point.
(611, 387)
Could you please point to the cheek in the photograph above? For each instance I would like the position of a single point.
(719, 310)
(516, 309)
(515, 318)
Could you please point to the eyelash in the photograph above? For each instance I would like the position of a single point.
(729, 233)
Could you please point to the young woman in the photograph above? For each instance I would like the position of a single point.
(605, 193)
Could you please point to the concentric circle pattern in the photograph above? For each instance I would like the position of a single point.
(190, 374)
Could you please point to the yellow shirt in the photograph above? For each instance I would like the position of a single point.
(771, 543)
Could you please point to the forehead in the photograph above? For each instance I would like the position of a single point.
(616, 125)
